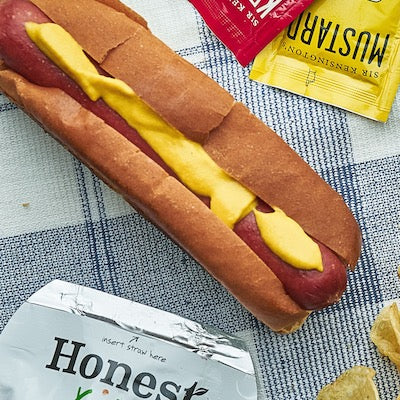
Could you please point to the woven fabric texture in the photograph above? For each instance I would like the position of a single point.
(57, 220)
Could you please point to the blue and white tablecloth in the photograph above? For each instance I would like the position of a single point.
(57, 220)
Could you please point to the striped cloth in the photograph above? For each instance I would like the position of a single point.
(57, 220)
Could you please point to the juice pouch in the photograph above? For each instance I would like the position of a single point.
(344, 53)
(70, 342)
(247, 26)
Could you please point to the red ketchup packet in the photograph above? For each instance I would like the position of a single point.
(247, 26)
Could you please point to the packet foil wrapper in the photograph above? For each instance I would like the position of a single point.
(69, 342)
(247, 26)
(342, 53)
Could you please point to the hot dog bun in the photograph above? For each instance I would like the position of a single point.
(162, 199)
(204, 112)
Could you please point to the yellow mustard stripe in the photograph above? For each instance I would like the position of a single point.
(229, 200)
(304, 254)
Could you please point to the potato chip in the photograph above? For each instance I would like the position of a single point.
(353, 384)
(385, 333)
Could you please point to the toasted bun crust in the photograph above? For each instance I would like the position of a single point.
(121, 7)
(181, 94)
(259, 159)
(82, 18)
(118, 39)
(161, 198)
(197, 106)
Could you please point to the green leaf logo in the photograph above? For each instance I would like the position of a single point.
(80, 395)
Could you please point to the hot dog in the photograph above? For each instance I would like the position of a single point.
(257, 166)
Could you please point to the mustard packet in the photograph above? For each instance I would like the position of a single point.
(344, 53)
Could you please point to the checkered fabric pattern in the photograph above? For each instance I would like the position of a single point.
(57, 220)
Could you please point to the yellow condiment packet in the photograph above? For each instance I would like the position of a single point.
(338, 52)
